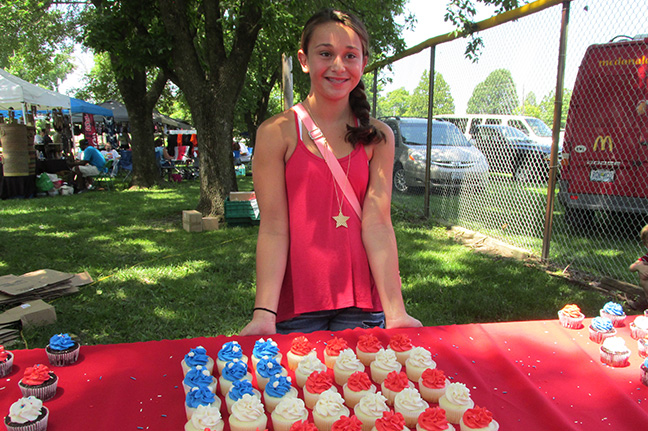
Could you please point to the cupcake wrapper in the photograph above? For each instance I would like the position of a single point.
(571, 322)
(61, 359)
(614, 359)
(43, 393)
(598, 337)
(637, 333)
(39, 425)
(642, 348)
(644, 375)
(617, 321)
(5, 367)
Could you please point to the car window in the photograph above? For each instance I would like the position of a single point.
(539, 127)
(513, 133)
(473, 126)
(445, 134)
(461, 123)
(493, 121)
(518, 125)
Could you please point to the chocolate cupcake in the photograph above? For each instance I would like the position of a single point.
(62, 350)
(39, 381)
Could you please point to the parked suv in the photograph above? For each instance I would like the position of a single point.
(509, 150)
(453, 159)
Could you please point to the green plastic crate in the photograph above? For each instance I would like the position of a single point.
(241, 212)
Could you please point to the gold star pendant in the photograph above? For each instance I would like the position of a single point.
(340, 219)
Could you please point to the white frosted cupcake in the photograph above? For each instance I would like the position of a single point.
(433, 419)
(307, 365)
(332, 350)
(197, 356)
(614, 352)
(199, 376)
(234, 370)
(478, 419)
(393, 384)
(432, 384)
(367, 347)
(369, 408)
(357, 387)
(328, 409)
(456, 401)
(401, 344)
(390, 421)
(205, 417)
(409, 403)
(384, 364)
(27, 414)
(265, 348)
(288, 411)
(247, 415)
(317, 382)
(200, 396)
(299, 349)
(278, 388)
(228, 352)
(639, 327)
(266, 368)
(420, 359)
(346, 364)
(236, 392)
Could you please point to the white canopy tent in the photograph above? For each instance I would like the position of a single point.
(20, 95)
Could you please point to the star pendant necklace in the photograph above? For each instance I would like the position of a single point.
(341, 219)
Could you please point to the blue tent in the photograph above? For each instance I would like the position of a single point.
(80, 106)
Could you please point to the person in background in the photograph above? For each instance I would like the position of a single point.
(641, 265)
(319, 265)
(111, 154)
(90, 164)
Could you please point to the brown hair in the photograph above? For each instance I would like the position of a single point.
(365, 133)
(644, 235)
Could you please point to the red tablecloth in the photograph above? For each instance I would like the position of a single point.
(531, 375)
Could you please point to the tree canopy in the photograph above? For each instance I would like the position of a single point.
(495, 95)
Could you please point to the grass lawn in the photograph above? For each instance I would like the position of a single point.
(155, 281)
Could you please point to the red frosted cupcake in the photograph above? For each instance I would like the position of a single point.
(402, 346)
(333, 349)
(390, 421)
(478, 418)
(38, 381)
(357, 387)
(347, 423)
(367, 347)
(433, 419)
(317, 382)
(6, 361)
(394, 383)
(303, 426)
(27, 414)
(571, 317)
(299, 349)
(432, 384)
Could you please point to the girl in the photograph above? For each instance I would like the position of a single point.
(319, 265)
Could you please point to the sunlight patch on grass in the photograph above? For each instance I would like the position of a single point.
(165, 313)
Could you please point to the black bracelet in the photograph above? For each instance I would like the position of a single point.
(264, 309)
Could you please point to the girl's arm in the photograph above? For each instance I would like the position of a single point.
(378, 233)
(272, 244)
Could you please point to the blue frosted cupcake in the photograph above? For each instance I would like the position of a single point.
(266, 368)
(62, 350)
(197, 356)
(265, 348)
(233, 371)
(614, 312)
(278, 388)
(199, 376)
(600, 329)
(236, 392)
(200, 396)
(230, 351)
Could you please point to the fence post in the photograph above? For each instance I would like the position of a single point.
(375, 93)
(557, 119)
(428, 141)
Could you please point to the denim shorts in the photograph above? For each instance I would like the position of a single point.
(332, 320)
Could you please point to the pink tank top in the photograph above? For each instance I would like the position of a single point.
(327, 267)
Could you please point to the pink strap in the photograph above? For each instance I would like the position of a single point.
(334, 165)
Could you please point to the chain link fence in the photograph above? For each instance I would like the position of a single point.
(491, 139)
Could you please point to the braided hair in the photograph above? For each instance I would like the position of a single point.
(365, 133)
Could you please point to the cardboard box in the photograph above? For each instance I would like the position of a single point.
(210, 223)
(33, 313)
(242, 196)
(192, 221)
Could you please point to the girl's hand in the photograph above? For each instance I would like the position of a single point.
(259, 326)
(404, 321)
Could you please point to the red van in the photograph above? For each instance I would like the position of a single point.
(605, 149)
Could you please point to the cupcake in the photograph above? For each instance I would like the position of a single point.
(266, 368)
(278, 388)
(299, 349)
(197, 356)
(309, 364)
(247, 415)
(432, 384)
(62, 350)
(402, 346)
(456, 401)
(367, 347)
(614, 352)
(642, 347)
(199, 376)
(236, 392)
(234, 370)
(370, 408)
(303, 426)
(420, 359)
(571, 317)
(357, 387)
(433, 419)
(393, 384)
(317, 382)
(347, 423)
(333, 349)
(409, 403)
(600, 329)
(390, 421)
(288, 411)
(200, 396)
(38, 381)
(478, 418)
(346, 364)
(6, 361)
(644, 372)
(267, 348)
(205, 417)
(228, 352)
(614, 312)
(328, 409)
(27, 414)
(639, 327)
(384, 364)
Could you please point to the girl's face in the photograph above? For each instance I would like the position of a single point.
(335, 61)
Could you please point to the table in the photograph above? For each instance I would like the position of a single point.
(532, 375)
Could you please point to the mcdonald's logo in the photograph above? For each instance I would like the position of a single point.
(602, 141)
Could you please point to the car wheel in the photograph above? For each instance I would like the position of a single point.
(579, 218)
(400, 185)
